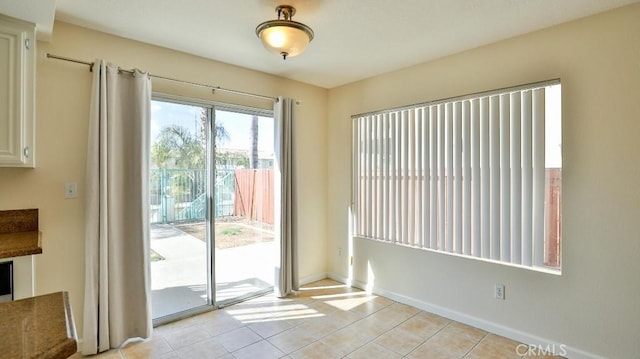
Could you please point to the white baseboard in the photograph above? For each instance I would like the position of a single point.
(341, 279)
(312, 278)
(511, 333)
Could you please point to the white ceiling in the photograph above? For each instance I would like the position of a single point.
(354, 39)
(39, 12)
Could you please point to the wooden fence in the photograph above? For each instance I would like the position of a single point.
(553, 225)
(254, 194)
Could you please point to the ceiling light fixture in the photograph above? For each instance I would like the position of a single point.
(285, 37)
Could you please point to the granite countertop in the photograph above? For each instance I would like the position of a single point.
(20, 244)
(19, 235)
(38, 327)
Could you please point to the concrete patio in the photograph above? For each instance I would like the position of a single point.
(179, 281)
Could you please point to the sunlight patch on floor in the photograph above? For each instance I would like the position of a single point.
(341, 295)
(349, 303)
(297, 316)
(273, 313)
(270, 309)
(340, 286)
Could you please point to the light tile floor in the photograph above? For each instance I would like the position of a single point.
(325, 320)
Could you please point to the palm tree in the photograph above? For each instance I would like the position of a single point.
(177, 147)
(219, 132)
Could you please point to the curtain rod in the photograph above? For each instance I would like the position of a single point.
(213, 88)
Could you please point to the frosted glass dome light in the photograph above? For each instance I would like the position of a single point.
(285, 37)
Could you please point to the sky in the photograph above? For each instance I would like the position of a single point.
(239, 128)
(238, 125)
(553, 127)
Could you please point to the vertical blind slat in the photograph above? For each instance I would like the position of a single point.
(476, 189)
(400, 177)
(425, 179)
(379, 177)
(374, 177)
(405, 178)
(516, 178)
(457, 177)
(384, 165)
(419, 197)
(494, 175)
(410, 199)
(448, 172)
(364, 178)
(361, 155)
(466, 177)
(441, 174)
(538, 147)
(392, 176)
(385, 174)
(505, 188)
(417, 166)
(368, 178)
(355, 183)
(527, 191)
(417, 241)
(433, 177)
(485, 209)
(363, 195)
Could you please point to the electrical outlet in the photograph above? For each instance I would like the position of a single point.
(498, 292)
(70, 190)
(339, 252)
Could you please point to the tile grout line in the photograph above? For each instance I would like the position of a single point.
(262, 339)
(366, 316)
(395, 326)
(353, 318)
(431, 336)
(466, 355)
(386, 331)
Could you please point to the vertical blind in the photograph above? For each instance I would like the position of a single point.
(463, 176)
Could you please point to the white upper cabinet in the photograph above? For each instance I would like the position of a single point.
(17, 93)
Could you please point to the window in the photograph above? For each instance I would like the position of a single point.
(477, 176)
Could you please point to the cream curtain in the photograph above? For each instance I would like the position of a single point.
(117, 285)
(286, 280)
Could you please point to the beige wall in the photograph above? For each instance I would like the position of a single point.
(63, 91)
(594, 306)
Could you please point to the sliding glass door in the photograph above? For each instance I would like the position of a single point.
(180, 254)
(211, 206)
(244, 244)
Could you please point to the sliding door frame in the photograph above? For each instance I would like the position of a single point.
(211, 107)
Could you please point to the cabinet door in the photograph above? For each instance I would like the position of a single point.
(16, 94)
